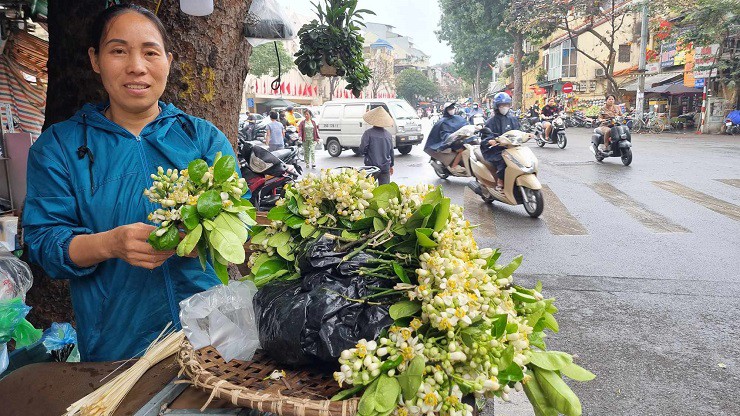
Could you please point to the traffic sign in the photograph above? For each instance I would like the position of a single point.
(567, 88)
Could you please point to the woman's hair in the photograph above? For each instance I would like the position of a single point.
(99, 27)
(307, 111)
(611, 95)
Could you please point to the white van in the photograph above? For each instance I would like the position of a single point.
(341, 125)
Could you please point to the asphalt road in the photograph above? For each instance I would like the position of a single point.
(643, 260)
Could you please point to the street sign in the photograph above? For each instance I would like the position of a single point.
(699, 83)
(567, 88)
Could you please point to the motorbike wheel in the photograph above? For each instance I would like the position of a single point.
(540, 142)
(536, 202)
(562, 141)
(627, 156)
(334, 148)
(404, 150)
(442, 175)
(485, 195)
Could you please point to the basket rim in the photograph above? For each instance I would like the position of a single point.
(279, 404)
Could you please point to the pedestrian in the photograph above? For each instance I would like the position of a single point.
(309, 133)
(290, 119)
(377, 143)
(85, 215)
(275, 133)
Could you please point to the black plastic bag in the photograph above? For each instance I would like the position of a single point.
(313, 319)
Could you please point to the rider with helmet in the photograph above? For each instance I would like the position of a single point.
(434, 146)
(501, 122)
(476, 111)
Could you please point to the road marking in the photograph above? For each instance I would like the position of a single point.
(557, 217)
(479, 213)
(731, 182)
(717, 205)
(640, 212)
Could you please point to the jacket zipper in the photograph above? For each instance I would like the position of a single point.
(165, 267)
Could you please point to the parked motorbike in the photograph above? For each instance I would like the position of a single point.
(732, 123)
(528, 123)
(267, 173)
(620, 142)
(466, 135)
(291, 136)
(521, 185)
(557, 133)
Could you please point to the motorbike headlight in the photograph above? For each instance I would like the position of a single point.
(401, 129)
(520, 165)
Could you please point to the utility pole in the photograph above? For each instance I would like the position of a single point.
(640, 101)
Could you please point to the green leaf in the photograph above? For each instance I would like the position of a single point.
(557, 392)
(577, 373)
(294, 221)
(259, 238)
(196, 170)
(202, 247)
(350, 236)
(366, 407)
(189, 216)
(221, 272)
(209, 204)
(384, 193)
(187, 245)
(443, 214)
(231, 222)
(363, 224)
(269, 268)
(550, 322)
(286, 252)
(537, 339)
(511, 373)
(499, 325)
(386, 397)
(403, 309)
(551, 360)
(419, 216)
(278, 213)
(538, 286)
(537, 398)
(227, 244)
(523, 297)
(378, 224)
(346, 394)
(224, 168)
(507, 357)
(410, 380)
(401, 273)
(279, 239)
(307, 230)
(423, 240)
(510, 268)
(292, 206)
(167, 241)
(434, 197)
(208, 224)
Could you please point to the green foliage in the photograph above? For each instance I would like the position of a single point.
(412, 84)
(335, 40)
(264, 61)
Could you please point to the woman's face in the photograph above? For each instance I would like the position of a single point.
(610, 100)
(132, 62)
(551, 102)
(307, 115)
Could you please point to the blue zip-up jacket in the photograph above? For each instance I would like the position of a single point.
(119, 308)
(444, 127)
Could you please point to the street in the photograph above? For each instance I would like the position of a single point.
(643, 261)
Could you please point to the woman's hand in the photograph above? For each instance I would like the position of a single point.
(129, 243)
(493, 142)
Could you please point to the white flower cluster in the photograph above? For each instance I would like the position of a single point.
(399, 211)
(349, 189)
(458, 293)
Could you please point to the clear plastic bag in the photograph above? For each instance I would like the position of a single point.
(222, 316)
(15, 277)
(267, 21)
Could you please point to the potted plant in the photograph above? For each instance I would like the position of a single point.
(332, 45)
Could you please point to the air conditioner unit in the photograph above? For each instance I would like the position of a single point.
(600, 73)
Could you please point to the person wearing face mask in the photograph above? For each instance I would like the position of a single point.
(549, 111)
(501, 122)
(85, 215)
(477, 111)
(434, 146)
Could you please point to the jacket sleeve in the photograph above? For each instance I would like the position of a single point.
(389, 137)
(50, 219)
(364, 142)
(213, 141)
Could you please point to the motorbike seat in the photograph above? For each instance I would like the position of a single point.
(282, 153)
(481, 159)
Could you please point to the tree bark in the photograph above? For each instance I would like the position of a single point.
(476, 86)
(206, 80)
(518, 69)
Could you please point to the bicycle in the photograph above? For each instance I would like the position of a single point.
(649, 122)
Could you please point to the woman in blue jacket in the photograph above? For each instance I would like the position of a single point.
(500, 123)
(85, 213)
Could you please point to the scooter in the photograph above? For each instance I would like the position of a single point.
(521, 185)
(620, 142)
(557, 133)
(465, 135)
(266, 174)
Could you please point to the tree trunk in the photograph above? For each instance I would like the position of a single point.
(206, 80)
(333, 81)
(518, 69)
(476, 86)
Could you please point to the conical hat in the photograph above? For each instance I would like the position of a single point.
(378, 117)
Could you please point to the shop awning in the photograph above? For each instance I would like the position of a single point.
(651, 80)
(673, 89)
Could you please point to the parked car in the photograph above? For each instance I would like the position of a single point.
(342, 126)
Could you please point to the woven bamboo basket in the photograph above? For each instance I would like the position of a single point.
(302, 392)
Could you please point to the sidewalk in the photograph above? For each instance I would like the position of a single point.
(518, 406)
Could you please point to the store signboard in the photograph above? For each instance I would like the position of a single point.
(667, 54)
(704, 60)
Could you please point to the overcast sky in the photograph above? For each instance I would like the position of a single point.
(415, 18)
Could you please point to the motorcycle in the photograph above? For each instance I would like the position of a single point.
(291, 136)
(620, 145)
(266, 173)
(521, 185)
(732, 123)
(557, 133)
(466, 135)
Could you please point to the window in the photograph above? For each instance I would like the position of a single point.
(562, 59)
(332, 111)
(569, 59)
(354, 110)
(624, 53)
